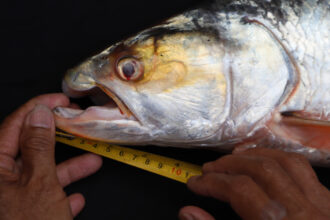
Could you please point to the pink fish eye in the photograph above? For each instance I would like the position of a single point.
(129, 68)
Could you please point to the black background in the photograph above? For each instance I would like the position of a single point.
(40, 41)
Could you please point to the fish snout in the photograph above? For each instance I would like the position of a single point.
(77, 81)
(81, 79)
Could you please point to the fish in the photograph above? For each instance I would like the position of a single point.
(225, 74)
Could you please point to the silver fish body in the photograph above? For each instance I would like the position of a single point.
(232, 73)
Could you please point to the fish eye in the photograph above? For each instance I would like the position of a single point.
(129, 68)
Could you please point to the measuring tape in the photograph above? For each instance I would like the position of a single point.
(164, 166)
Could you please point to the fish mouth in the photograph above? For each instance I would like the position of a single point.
(122, 107)
(108, 107)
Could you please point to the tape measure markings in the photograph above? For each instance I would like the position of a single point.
(168, 167)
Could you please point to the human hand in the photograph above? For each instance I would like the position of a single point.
(261, 183)
(31, 185)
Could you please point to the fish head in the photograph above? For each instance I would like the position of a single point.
(169, 88)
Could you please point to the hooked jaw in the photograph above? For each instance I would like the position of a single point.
(111, 121)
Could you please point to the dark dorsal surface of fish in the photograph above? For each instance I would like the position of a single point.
(227, 74)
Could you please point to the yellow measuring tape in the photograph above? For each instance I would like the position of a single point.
(164, 166)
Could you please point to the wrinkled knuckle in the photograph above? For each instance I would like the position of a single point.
(241, 185)
(37, 142)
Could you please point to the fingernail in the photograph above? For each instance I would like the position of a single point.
(243, 148)
(40, 117)
(188, 216)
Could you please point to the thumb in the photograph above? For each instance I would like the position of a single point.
(37, 143)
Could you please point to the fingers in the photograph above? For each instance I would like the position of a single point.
(264, 184)
(239, 190)
(294, 164)
(37, 143)
(11, 127)
(300, 170)
(267, 173)
(78, 168)
(194, 213)
(77, 203)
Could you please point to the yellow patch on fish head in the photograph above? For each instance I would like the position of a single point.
(169, 85)
(174, 61)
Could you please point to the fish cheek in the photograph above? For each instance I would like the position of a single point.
(163, 78)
